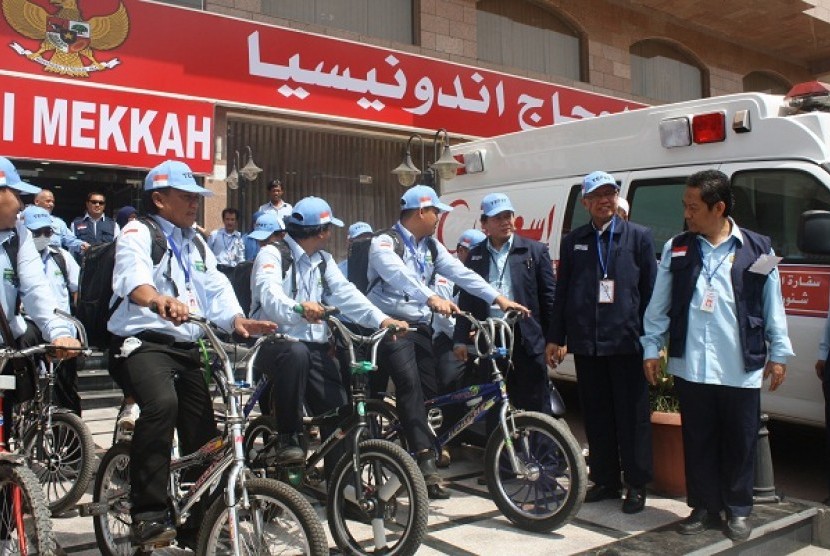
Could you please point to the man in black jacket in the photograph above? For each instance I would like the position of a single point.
(605, 277)
(519, 269)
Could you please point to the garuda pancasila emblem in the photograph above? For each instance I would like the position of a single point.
(68, 42)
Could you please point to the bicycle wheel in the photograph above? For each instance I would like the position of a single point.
(257, 434)
(277, 521)
(25, 526)
(394, 520)
(551, 492)
(384, 423)
(112, 490)
(63, 464)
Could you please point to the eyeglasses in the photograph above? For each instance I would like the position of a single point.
(44, 232)
(596, 196)
(96, 202)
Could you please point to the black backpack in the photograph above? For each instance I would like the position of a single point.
(95, 283)
(358, 268)
(242, 276)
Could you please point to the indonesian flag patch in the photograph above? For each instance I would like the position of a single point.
(679, 251)
(424, 202)
(2, 178)
(160, 180)
(325, 217)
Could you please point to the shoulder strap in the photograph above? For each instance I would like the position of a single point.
(158, 243)
(57, 256)
(12, 247)
(433, 250)
(323, 266)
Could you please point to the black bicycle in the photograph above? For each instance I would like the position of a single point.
(533, 465)
(376, 497)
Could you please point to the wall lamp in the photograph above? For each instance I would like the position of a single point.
(249, 172)
(445, 165)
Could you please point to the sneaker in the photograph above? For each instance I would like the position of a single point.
(426, 463)
(286, 451)
(151, 533)
(127, 418)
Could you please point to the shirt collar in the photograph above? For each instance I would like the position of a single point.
(508, 245)
(734, 232)
(88, 217)
(299, 253)
(605, 226)
(169, 228)
(410, 237)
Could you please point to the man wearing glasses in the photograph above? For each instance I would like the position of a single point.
(93, 228)
(604, 282)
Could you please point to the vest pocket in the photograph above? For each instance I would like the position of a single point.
(755, 344)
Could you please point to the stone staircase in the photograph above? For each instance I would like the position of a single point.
(96, 387)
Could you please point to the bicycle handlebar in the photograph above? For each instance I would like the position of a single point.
(492, 329)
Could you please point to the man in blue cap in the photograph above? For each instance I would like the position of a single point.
(605, 279)
(359, 231)
(25, 281)
(304, 370)
(154, 351)
(519, 269)
(403, 287)
(61, 272)
(252, 245)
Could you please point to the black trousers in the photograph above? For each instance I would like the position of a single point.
(168, 384)
(527, 382)
(613, 394)
(449, 371)
(410, 362)
(66, 373)
(720, 435)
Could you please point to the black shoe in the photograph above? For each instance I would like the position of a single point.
(426, 463)
(738, 528)
(601, 492)
(151, 532)
(187, 538)
(437, 492)
(288, 451)
(698, 521)
(635, 500)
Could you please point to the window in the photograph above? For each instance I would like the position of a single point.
(524, 35)
(575, 213)
(770, 202)
(658, 205)
(384, 19)
(764, 82)
(662, 71)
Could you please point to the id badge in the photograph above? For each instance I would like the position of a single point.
(710, 301)
(606, 291)
(192, 301)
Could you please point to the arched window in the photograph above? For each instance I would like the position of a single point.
(766, 82)
(389, 19)
(520, 34)
(663, 71)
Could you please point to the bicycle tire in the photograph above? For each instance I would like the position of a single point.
(294, 524)
(258, 432)
(354, 531)
(384, 423)
(36, 516)
(553, 493)
(112, 487)
(67, 466)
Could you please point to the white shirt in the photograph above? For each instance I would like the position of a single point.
(283, 211)
(273, 297)
(210, 293)
(229, 249)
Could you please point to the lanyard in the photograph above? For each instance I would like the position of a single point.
(421, 262)
(308, 284)
(709, 275)
(605, 264)
(500, 271)
(225, 237)
(178, 254)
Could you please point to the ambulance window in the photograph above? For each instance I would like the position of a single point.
(575, 213)
(658, 204)
(770, 202)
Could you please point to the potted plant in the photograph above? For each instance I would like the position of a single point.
(667, 437)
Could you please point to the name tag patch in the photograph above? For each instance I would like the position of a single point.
(200, 266)
(580, 247)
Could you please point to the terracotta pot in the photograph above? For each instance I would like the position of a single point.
(667, 443)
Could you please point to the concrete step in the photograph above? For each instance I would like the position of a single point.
(95, 385)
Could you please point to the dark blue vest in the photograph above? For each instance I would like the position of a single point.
(104, 231)
(748, 288)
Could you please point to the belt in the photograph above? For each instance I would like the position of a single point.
(164, 339)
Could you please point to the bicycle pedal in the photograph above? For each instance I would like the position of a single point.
(93, 509)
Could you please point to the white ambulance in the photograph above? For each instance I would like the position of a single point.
(775, 149)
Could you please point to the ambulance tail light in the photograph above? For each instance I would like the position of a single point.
(811, 96)
(709, 128)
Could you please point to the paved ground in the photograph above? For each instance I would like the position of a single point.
(469, 523)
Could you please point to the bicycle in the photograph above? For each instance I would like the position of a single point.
(56, 443)
(533, 465)
(255, 515)
(376, 497)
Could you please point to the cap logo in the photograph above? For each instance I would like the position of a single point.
(2, 178)
(325, 217)
(424, 202)
(160, 180)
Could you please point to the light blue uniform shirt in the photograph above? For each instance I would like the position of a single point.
(229, 249)
(440, 323)
(403, 290)
(272, 295)
(37, 296)
(283, 211)
(500, 277)
(62, 236)
(344, 267)
(212, 291)
(713, 342)
(55, 277)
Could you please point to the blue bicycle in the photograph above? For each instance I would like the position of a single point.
(533, 465)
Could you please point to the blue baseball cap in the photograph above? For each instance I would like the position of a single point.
(10, 178)
(595, 180)
(358, 229)
(36, 218)
(313, 211)
(496, 203)
(266, 224)
(175, 174)
(470, 238)
(422, 196)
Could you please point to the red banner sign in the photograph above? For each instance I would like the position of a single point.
(806, 290)
(154, 47)
(64, 122)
